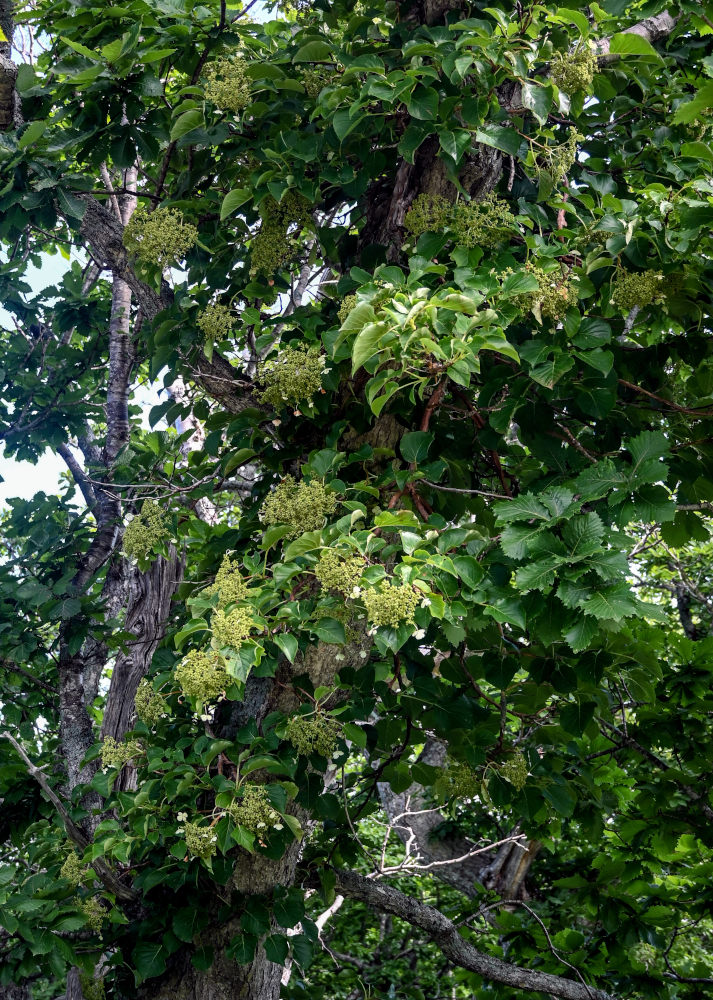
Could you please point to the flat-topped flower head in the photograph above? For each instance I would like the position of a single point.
(303, 506)
(310, 734)
(228, 85)
(637, 289)
(117, 754)
(292, 377)
(145, 532)
(391, 604)
(202, 675)
(228, 584)
(201, 841)
(149, 705)
(254, 810)
(161, 237)
(232, 628)
(338, 570)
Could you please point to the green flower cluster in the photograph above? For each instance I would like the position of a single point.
(574, 71)
(345, 307)
(145, 531)
(637, 288)
(232, 628)
(270, 247)
(201, 841)
(459, 780)
(149, 704)
(391, 604)
(116, 754)
(553, 297)
(94, 913)
(303, 506)
(229, 584)
(429, 213)
(228, 85)
(557, 160)
(313, 734)
(314, 80)
(254, 810)
(92, 989)
(337, 570)
(294, 375)
(643, 954)
(202, 675)
(73, 871)
(161, 237)
(215, 322)
(484, 223)
(514, 770)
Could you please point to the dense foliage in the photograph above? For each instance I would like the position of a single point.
(400, 593)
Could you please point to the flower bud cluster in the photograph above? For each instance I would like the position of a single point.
(310, 734)
(574, 71)
(270, 247)
(336, 570)
(514, 770)
(314, 79)
(228, 85)
(391, 604)
(552, 298)
(254, 810)
(232, 628)
(144, 532)
(345, 307)
(94, 913)
(201, 841)
(429, 213)
(303, 506)
(161, 237)
(460, 780)
(92, 989)
(202, 675)
(149, 705)
(215, 322)
(557, 160)
(637, 288)
(294, 375)
(229, 584)
(484, 223)
(115, 754)
(73, 871)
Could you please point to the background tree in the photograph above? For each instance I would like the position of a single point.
(386, 649)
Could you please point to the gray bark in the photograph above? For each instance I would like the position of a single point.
(444, 933)
(147, 608)
(415, 821)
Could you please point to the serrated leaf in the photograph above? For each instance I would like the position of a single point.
(611, 603)
(516, 539)
(583, 535)
(538, 575)
(314, 51)
(538, 100)
(414, 446)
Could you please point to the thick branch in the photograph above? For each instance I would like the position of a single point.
(444, 933)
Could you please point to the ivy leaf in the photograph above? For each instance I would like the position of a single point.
(538, 100)
(414, 446)
(149, 959)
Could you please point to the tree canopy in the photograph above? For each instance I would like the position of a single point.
(373, 655)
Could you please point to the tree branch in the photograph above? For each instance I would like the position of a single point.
(77, 836)
(444, 933)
